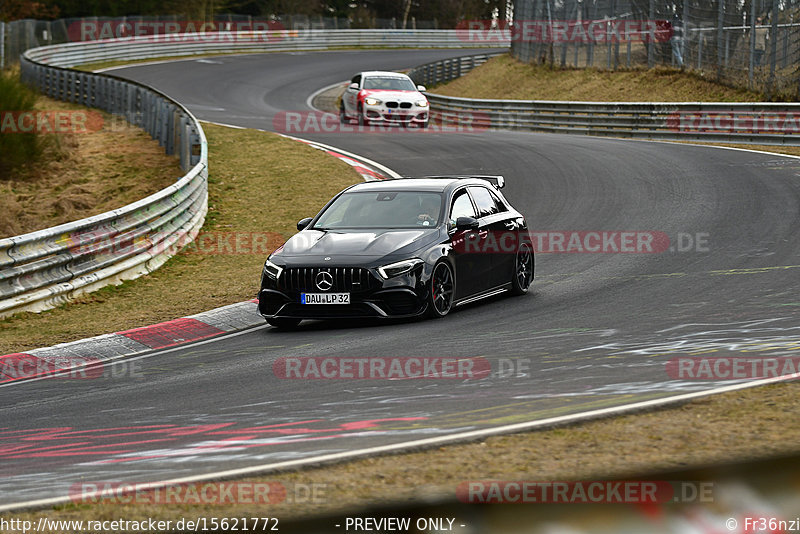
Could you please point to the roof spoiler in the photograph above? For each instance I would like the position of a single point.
(496, 180)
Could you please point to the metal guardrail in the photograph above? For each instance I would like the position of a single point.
(448, 69)
(143, 47)
(760, 123)
(46, 268)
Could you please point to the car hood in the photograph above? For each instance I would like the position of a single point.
(375, 243)
(391, 95)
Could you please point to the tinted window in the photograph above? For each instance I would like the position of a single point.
(501, 206)
(389, 84)
(387, 209)
(484, 201)
(462, 207)
(356, 79)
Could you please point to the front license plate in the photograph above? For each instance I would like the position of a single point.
(324, 298)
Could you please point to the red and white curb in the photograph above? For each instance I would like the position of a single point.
(368, 169)
(56, 360)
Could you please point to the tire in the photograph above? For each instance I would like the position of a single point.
(342, 115)
(423, 125)
(362, 121)
(523, 270)
(283, 323)
(441, 291)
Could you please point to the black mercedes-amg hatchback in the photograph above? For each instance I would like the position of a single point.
(399, 248)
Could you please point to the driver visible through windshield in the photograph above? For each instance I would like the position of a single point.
(387, 209)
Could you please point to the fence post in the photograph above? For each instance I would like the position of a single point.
(2, 45)
(720, 31)
(590, 52)
(685, 36)
(773, 45)
(752, 43)
(650, 44)
(701, 36)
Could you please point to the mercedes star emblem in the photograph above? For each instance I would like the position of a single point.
(324, 280)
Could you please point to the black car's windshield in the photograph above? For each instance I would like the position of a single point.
(389, 83)
(386, 209)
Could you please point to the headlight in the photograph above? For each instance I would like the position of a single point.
(422, 103)
(398, 268)
(372, 101)
(272, 270)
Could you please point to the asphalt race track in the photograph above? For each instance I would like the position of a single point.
(596, 331)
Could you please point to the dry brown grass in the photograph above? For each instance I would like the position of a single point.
(506, 78)
(84, 174)
(254, 183)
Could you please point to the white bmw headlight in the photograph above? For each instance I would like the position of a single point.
(398, 268)
(422, 103)
(372, 101)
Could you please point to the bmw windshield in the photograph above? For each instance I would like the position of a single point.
(389, 84)
(385, 209)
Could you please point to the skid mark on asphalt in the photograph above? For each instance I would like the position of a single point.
(124, 442)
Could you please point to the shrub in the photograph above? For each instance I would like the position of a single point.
(16, 149)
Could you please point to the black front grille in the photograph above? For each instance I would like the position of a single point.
(391, 105)
(345, 279)
(405, 105)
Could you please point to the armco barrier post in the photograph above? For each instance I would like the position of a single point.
(2, 45)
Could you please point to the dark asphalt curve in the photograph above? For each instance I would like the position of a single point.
(597, 330)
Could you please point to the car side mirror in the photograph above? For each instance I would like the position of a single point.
(467, 223)
(354, 86)
(421, 88)
(303, 223)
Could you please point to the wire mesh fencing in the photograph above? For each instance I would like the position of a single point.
(753, 44)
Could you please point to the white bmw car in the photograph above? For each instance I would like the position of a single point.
(384, 98)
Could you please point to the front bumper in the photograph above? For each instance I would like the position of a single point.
(412, 115)
(370, 295)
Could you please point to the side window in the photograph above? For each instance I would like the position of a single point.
(462, 207)
(356, 79)
(501, 206)
(484, 201)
